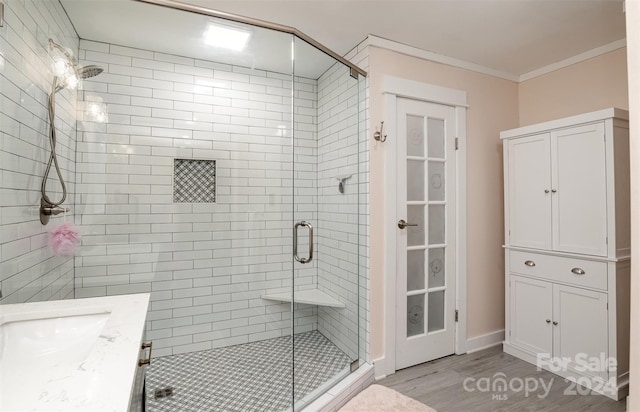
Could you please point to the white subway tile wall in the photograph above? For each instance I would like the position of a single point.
(206, 265)
(338, 158)
(28, 270)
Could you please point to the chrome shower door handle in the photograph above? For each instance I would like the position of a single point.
(295, 242)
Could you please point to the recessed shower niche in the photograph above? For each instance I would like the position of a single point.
(194, 181)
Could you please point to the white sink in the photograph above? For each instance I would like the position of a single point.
(50, 341)
(71, 355)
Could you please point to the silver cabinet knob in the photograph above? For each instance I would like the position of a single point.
(555, 323)
(530, 263)
(546, 190)
(554, 190)
(578, 271)
(548, 320)
(402, 224)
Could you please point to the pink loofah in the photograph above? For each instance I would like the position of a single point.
(64, 239)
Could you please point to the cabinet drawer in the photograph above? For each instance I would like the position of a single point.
(579, 272)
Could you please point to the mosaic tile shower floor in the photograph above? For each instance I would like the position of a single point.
(243, 378)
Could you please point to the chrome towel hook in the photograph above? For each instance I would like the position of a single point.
(379, 136)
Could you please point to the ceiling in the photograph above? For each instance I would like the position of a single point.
(511, 36)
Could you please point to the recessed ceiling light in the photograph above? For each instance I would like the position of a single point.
(226, 37)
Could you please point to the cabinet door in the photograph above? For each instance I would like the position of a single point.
(529, 180)
(581, 330)
(530, 306)
(579, 203)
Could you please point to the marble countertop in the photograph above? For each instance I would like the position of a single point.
(97, 376)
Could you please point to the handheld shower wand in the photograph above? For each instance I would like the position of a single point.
(47, 206)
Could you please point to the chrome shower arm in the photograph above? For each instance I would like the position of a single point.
(54, 45)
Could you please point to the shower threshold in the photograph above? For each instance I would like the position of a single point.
(250, 377)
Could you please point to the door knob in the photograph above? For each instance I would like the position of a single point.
(402, 224)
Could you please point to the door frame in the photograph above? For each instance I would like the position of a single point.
(392, 89)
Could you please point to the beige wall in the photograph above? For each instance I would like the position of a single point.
(594, 84)
(493, 106)
(633, 42)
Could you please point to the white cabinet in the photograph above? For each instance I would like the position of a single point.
(580, 326)
(531, 303)
(567, 242)
(579, 190)
(558, 321)
(557, 182)
(529, 182)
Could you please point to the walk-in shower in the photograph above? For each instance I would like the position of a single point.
(225, 180)
(215, 163)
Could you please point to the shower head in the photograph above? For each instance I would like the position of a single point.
(67, 70)
(89, 71)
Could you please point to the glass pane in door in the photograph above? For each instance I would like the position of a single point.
(436, 268)
(436, 224)
(435, 141)
(415, 136)
(415, 270)
(415, 234)
(415, 179)
(436, 311)
(415, 315)
(436, 181)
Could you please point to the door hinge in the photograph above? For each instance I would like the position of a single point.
(607, 305)
(456, 315)
(457, 143)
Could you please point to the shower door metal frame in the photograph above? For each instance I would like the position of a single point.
(355, 70)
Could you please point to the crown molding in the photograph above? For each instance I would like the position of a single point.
(383, 43)
(589, 54)
(375, 41)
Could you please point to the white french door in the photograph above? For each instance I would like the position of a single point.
(425, 231)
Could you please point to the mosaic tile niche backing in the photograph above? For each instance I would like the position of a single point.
(194, 181)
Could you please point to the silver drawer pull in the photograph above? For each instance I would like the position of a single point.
(578, 271)
(530, 263)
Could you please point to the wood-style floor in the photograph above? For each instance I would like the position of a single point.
(440, 384)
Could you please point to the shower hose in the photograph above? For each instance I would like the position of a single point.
(53, 159)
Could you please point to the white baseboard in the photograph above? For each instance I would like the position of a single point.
(473, 345)
(380, 368)
(485, 341)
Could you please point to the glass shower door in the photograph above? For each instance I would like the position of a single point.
(326, 222)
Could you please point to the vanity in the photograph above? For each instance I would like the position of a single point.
(74, 355)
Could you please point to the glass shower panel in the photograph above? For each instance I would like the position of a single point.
(196, 202)
(326, 211)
